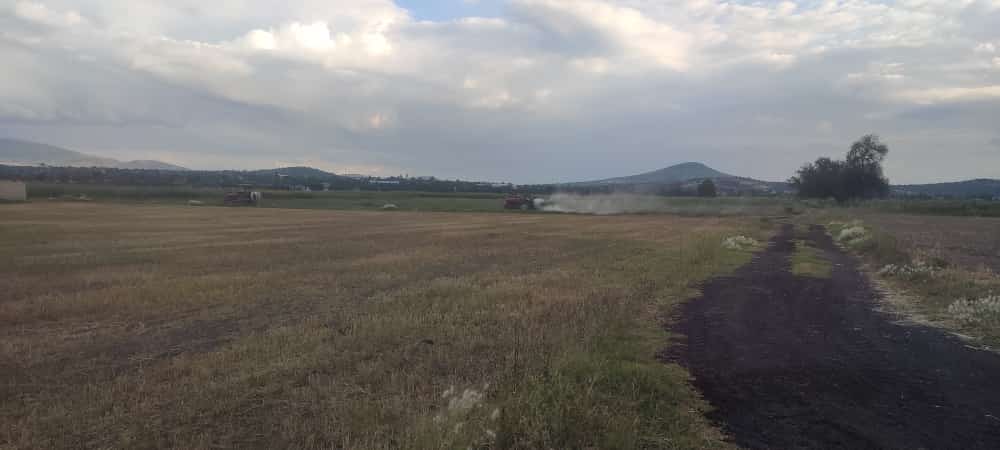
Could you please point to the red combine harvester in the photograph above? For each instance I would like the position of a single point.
(522, 202)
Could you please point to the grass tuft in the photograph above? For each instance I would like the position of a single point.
(809, 261)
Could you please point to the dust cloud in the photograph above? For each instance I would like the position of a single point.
(630, 203)
(603, 204)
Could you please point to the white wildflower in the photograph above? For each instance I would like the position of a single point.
(468, 400)
(495, 414)
(447, 393)
(977, 311)
(851, 234)
(739, 243)
(914, 270)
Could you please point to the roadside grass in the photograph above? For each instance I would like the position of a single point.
(933, 286)
(808, 261)
(154, 326)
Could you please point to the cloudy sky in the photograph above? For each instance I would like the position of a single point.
(514, 90)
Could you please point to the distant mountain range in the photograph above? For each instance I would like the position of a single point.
(673, 174)
(296, 172)
(27, 153)
(682, 177)
(686, 176)
(982, 188)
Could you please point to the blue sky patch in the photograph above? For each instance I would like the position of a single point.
(441, 10)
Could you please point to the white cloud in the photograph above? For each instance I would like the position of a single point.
(986, 47)
(951, 94)
(313, 37)
(622, 29)
(592, 65)
(555, 80)
(42, 14)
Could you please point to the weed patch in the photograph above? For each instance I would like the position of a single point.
(808, 261)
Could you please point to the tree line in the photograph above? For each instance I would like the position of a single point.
(277, 179)
(858, 176)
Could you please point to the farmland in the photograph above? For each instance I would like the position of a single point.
(971, 243)
(410, 200)
(343, 200)
(162, 326)
(931, 265)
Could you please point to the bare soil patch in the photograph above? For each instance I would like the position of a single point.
(801, 362)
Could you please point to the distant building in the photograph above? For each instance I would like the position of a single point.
(14, 191)
(385, 181)
(356, 176)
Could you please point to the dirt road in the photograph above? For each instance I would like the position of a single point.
(800, 362)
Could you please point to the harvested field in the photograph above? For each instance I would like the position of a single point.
(145, 326)
(972, 243)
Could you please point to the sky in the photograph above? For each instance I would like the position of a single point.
(527, 91)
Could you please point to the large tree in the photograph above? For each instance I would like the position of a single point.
(860, 176)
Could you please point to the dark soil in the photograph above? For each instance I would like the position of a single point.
(799, 362)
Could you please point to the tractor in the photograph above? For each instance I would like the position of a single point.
(242, 197)
(522, 202)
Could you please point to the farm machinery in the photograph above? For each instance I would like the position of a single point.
(522, 202)
(242, 197)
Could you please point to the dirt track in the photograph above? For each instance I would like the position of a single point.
(800, 362)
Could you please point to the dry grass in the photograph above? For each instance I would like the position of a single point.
(929, 264)
(971, 243)
(138, 327)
